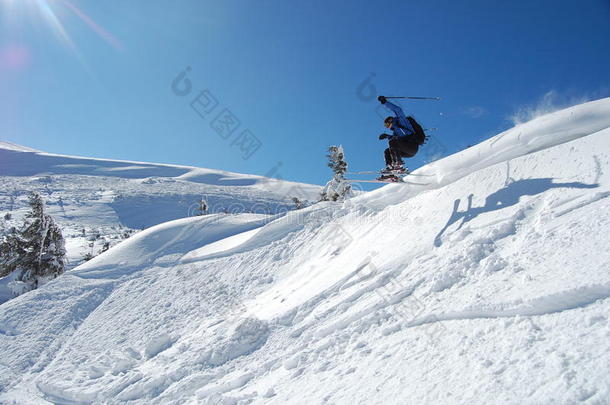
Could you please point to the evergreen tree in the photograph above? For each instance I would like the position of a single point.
(298, 204)
(203, 207)
(338, 188)
(9, 248)
(36, 252)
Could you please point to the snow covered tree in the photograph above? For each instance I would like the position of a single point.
(8, 251)
(36, 251)
(338, 188)
(202, 209)
(298, 204)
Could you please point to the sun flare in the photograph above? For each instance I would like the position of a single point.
(54, 14)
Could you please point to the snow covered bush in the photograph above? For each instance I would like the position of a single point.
(36, 252)
(202, 207)
(338, 188)
(298, 204)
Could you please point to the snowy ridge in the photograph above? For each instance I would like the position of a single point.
(172, 239)
(35, 163)
(14, 147)
(492, 287)
(97, 201)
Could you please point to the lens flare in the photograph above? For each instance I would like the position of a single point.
(50, 11)
(49, 15)
(94, 26)
(14, 57)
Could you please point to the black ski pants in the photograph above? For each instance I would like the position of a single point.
(399, 148)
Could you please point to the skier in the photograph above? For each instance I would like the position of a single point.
(406, 137)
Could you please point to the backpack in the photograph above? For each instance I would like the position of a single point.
(420, 135)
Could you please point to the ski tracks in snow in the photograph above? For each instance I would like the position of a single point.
(562, 301)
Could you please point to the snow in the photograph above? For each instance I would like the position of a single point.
(491, 284)
(14, 147)
(98, 201)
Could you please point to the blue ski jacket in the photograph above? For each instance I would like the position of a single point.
(401, 126)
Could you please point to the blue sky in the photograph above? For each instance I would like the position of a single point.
(94, 78)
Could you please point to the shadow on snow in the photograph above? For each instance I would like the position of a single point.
(505, 197)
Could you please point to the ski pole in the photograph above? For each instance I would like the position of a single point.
(417, 98)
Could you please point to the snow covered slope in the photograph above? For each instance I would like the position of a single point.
(99, 200)
(489, 284)
(129, 186)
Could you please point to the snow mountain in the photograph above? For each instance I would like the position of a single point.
(101, 201)
(487, 282)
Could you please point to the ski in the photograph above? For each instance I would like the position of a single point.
(369, 172)
(387, 182)
(400, 174)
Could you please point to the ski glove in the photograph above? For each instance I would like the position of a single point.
(382, 99)
(383, 136)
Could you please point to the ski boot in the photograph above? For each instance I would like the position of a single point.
(392, 171)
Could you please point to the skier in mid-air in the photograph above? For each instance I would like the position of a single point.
(407, 136)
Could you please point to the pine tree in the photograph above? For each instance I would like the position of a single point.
(9, 248)
(298, 204)
(338, 188)
(203, 207)
(37, 251)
